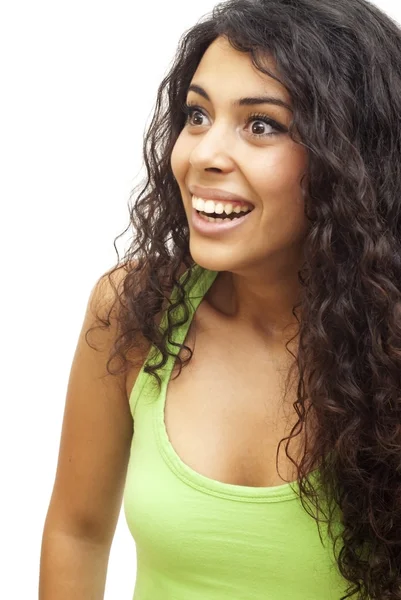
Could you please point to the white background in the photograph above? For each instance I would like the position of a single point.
(78, 82)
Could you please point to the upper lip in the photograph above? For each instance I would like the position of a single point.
(217, 194)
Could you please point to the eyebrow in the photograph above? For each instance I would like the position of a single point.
(247, 101)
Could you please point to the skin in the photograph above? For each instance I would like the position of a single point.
(258, 284)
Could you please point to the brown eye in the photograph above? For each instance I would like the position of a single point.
(259, 122)
(193, 112)
(195, 115)
(258, 128)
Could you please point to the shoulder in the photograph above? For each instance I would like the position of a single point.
(108, 287)
(112, 280)
(104, 307)
(108, 290)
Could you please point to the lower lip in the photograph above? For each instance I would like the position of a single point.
(214, 228)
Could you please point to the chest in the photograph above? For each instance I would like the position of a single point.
(225, 414)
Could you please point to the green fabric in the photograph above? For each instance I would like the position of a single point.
(197, 538)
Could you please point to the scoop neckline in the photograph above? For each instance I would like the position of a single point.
(286, 491)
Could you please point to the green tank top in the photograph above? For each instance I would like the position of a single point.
(197, 538)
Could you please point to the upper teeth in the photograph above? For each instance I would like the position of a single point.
(209, 206)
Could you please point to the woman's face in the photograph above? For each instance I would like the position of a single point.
(222, 146)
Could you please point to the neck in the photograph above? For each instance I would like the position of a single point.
(264, 304)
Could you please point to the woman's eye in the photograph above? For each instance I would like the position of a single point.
(259, 126)
(264, 126)
(191, 111)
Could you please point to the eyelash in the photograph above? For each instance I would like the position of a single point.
(190, 109)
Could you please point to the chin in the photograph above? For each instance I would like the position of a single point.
(211, 259)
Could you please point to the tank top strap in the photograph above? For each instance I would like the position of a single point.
(197, 281)
(196, 287)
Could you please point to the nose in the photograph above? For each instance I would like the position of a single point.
(212, 151)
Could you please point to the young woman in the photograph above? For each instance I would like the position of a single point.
(237, 381)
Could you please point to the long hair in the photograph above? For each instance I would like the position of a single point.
(341, 63)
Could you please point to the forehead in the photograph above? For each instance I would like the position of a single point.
(224, 69)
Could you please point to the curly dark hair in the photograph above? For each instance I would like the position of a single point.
(341, 64)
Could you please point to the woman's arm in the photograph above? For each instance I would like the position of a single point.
(93, 457)
(72, 567)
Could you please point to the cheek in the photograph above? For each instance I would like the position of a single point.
(277, 182)
(279, 173)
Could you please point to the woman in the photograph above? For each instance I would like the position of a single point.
(270, 465)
